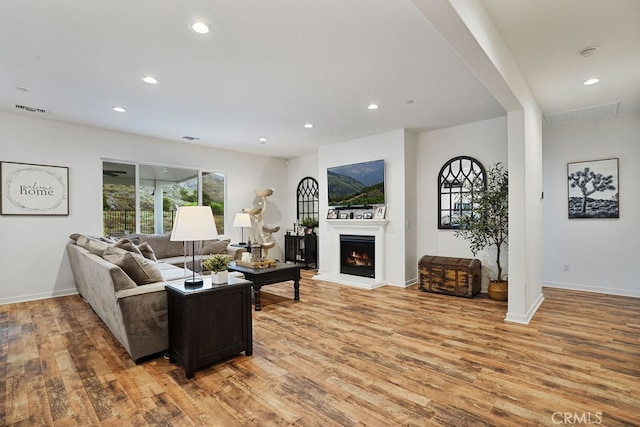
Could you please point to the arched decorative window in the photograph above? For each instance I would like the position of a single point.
(455, 192)
(307, 199)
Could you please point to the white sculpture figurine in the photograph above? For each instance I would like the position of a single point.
(257, 215)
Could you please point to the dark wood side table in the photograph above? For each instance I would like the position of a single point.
(210, 323)
(269, 275)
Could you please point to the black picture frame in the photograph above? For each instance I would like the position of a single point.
(593, 189)
(34, 189)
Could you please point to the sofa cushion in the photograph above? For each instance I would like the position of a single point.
(97, 247)
(147, 251)
(138, 268)
(215, 246)
(162, 245)
(127, 245)
(171, 272)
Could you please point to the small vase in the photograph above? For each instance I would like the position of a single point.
(219, 277)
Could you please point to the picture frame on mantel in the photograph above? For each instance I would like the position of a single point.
(380, 211)
(32, 189)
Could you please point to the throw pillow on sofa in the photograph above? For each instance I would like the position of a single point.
(140, 269)
(215, 246)
(147, 251)
(162, 245)
(127, 245)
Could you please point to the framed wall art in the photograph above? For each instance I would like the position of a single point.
(29, 189)
(593, 189)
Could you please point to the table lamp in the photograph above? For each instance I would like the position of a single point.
(192, 225)
(242, 220)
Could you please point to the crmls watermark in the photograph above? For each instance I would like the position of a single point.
(577, 418)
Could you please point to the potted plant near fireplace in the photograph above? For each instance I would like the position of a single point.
(309, 224)
(217, 265)
(489, 224)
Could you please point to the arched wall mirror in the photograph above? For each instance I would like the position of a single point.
(307, 199)
(455, 192)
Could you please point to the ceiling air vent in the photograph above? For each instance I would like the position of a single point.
(191, 138)
(588, 113)
(31, 109)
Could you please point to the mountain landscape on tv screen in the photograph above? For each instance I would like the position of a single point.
(357, 184)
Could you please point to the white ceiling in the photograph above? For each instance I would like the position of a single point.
(268, 67)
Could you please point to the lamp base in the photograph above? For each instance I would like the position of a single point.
(193, 283)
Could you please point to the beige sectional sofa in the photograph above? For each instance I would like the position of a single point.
(124, 285)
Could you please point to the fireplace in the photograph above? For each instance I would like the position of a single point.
(357, 255)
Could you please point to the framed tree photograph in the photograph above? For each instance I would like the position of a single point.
(29, 189)
(593, 189)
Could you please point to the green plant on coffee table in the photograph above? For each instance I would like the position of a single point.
(216, 263)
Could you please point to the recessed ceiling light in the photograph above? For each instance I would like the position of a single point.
(200, 27)
(373, 106)
(262, 140)
(308, 125)
(591, 82)
(151, 80)
(120, 109)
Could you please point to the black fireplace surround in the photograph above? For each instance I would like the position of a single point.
(357, 255)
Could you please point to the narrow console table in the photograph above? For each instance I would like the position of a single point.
(210, 323)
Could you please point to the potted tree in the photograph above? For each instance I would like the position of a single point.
(217, 265)
(489, 224)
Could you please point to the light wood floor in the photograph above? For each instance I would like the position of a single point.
(339, 357)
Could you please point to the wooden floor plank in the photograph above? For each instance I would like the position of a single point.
(340, 356)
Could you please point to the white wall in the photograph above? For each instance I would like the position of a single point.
(603, 255)
(298, 168)
(485, 141)
(34, 261)
(389, 146)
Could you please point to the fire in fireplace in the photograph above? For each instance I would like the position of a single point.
(357, 255)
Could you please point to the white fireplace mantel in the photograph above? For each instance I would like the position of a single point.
(365, 227)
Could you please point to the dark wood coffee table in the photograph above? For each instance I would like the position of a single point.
(260, 277)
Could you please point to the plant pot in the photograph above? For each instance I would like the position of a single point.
(499, 290)
(219, 277)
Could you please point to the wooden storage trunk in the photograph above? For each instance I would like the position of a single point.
(451, 276)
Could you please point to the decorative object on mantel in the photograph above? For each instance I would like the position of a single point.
(344, 215)
(367, 215)
(380, 211)
(264, 231)
(593, 189)
(29, 189)
(489, 226)
(217, 265)
(332, 214)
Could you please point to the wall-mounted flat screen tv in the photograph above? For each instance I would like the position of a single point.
(358, 184)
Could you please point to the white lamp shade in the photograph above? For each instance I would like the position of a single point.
(242, 220)
(194, 223)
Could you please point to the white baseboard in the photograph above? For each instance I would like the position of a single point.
(518, 318)
(34, 297)
(587, 288)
